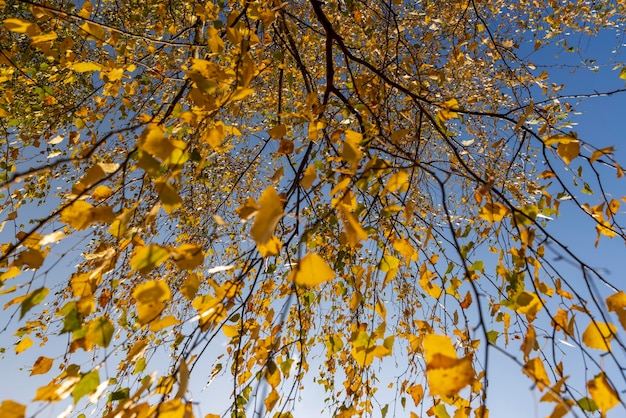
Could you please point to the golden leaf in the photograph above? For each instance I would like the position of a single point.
(493, 212)
(21, 26)
(351, 152)
(602, 393)
(617, 303)
(42, 366)
(149, 257)
(535, 370)
(83, 67)
(168, 195)
(80, 214)
(154, 142)
(446, 374)
(278, 131)
(354, 232)
(24, 344)
(397, 181)
(311, 271)
(150, 298)
(417, 393)
(271, 247)
(188, 256)
(173, 409)
(270, 212)
(11, 409)
(271, 400)
(598, 335)
(308, 177)
(190, 286)
(568, 147)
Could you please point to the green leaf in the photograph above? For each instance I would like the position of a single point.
(34, 298)
(86, 385)
(587, 404)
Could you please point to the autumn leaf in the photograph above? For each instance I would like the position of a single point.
(188, 256)
(617, 303)
(568, 147)
(151, 297)
(269, 213)
(602, 393)
(351, 149)
(311, 271)
(100, 332)
(42, 366)
(11, 409)
(536, 371)
(446, 374)
(21, 26)
(32, 299)
(598, 335)
(148, 257)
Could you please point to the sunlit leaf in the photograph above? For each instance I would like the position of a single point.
(269, 213)
(617, 303)
(11, 409)
(311, 271)
(42, 366)
(87, 384)
(148, 257)
(21, 26)
(536, 371)
(32, 299)
(598, 335)
(100, 332)
(602, 393)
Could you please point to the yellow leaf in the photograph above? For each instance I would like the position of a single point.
(161, 323)
(270, 212)
(92, 32)
(602, 393)
(168, 195)
(152, 291)
(434, 344)
(397, 181)
(24, 344)
(149, 257)
(528, 303)
(417, 393)
(84, 67)
(241, 93)
(351, 152)
(535, 370)
(354, 232)
(311, 271)
(80, 214)
(150, 298)
(21, 26)
(173, 409)
(493, 212)
(568, 147)
(100, 332)
(215, 135)
(101, 193)
(10, 409)
(271, 247)
(448, 110)
(154, 142)
(248, 209)
(42, 366)
(599, 153)
(190, 286)
(308, 177)
(598, 335)
(272, 374)
(46, 37)
(188, 256)
(271, 400)
(446, 374)
(617, 303)
(278, 131)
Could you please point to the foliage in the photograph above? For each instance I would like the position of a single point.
(258, 192)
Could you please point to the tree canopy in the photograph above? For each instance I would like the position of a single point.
(358, 195)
